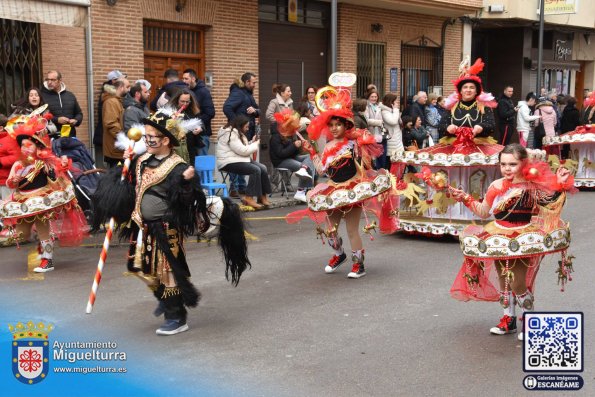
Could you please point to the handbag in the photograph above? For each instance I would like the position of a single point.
(385, 133)
(413, 147)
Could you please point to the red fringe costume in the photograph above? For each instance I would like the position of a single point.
(43, 191)
(527, 226)
(352, 181)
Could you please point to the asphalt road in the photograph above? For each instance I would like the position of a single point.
(289, 329)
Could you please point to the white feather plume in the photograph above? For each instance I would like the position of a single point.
(168, 110)
(123, 142)
(191, 124)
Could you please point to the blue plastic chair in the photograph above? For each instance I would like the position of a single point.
(205, 165)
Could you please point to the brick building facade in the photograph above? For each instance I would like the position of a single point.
(231, 40)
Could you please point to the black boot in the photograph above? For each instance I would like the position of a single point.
(175, 313)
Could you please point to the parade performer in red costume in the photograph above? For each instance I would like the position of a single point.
(502, 258)
(466, 154)
(43, 194)
(353, 186)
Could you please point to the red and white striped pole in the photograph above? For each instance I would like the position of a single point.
(98, 273)
(135, 135)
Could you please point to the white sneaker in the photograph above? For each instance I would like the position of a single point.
(301, 196)
(302, 173)
(521, 336)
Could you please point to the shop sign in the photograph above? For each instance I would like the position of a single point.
(563, 50)
(554, 7)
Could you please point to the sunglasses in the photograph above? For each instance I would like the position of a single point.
(311, 92)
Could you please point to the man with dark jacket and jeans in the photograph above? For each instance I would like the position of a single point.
(506, 113)
(205, 105)
(241, 101)
(61, 103)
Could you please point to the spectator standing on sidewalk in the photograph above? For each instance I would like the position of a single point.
(62, 103)
(241, 102)
(524, 119)
(205, 104)
(113, 119)
(136, 111)
(172, 80)
(281, 101)
(507, 115)
(433, 117)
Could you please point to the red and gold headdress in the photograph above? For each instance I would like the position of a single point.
(468, 74)
(32, 126)
(288, 122)
(332, 101)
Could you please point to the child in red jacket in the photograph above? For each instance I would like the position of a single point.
(9, 153)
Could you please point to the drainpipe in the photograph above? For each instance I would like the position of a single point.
(90, 104)
(333, 36)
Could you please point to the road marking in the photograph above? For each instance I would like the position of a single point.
(266, 218)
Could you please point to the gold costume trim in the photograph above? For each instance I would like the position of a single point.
(149, 178)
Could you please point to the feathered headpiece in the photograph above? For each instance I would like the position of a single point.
(331, 102)
(32, 126)
(468, 74)
(169, 121)
(288, 122)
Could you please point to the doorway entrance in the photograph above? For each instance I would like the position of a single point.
(171, 46)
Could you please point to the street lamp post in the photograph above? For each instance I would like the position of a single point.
(540, 47)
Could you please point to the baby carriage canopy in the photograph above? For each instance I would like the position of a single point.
(85, 183)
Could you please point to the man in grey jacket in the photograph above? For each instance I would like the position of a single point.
(136, 107)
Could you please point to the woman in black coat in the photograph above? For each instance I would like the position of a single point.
(569, 121)
(570, 116)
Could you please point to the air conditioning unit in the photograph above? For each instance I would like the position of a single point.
(496, 8)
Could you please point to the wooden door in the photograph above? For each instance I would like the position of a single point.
(156, 66)
(171, 46)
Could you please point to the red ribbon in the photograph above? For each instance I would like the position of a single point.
(464, 138)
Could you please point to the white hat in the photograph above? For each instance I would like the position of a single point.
(143, 82)
(115, 74)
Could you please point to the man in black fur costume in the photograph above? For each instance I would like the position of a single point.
(162, 195)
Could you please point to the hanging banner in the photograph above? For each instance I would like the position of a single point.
(554, 7)
(292, 14)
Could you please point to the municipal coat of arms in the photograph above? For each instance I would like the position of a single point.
(30, 351)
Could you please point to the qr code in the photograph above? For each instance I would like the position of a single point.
(553, 342)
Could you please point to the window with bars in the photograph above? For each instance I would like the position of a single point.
(20, 61)
(371, 58)
(421, 67)
(175, 39)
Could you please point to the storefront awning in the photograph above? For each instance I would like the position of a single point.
(557, 65)
(51, 12)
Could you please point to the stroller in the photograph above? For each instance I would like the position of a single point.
(84, 175)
